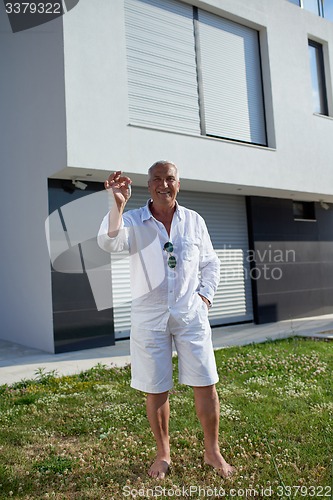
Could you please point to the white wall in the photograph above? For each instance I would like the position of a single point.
(32, 145)
(99, 137)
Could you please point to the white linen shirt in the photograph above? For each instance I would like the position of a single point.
(158, 291)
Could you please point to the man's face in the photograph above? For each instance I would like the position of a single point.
(163, 184)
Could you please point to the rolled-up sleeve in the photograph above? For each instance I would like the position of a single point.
(117, 244)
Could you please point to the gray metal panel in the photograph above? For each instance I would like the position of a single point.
(162, 79)
(231, 79)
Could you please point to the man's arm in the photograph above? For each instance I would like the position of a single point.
(120, 188)
(206, 301)
(209, 266)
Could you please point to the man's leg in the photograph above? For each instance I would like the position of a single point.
(208, 411)
(158, 412)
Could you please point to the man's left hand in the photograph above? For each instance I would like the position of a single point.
(206, 301)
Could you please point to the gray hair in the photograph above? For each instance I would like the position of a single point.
(162, 162)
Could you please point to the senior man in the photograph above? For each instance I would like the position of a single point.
(169, 246)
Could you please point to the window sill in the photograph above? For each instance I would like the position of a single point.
(323, 116)
(305, 220)
(197, 136)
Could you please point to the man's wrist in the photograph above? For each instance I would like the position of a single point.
(206, 301)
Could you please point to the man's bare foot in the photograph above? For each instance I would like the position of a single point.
(223, 469)
(159, 469)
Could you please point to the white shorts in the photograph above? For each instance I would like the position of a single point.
(151, 355)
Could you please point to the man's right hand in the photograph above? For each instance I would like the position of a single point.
(120, 186)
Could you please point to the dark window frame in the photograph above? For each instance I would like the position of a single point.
(320, 59)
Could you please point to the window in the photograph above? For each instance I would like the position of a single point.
(194, 72)
(231, 89)
(311, 5)
(328, 9)
(304, 210)
(319, 96)
(323, 8)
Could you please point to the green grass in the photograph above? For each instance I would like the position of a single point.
(87, 437)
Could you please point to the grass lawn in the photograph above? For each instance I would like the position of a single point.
(87, 437)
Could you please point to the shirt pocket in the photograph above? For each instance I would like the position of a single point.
(190, 250)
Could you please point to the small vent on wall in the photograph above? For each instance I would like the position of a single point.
(304, 211)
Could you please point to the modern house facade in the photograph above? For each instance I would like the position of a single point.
(238, 94)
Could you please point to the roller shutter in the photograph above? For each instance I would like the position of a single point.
(161, 65)
(231, 93)
(225, 216)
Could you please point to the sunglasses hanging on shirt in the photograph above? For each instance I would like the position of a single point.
(172, 261)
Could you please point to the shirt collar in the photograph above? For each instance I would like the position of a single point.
(146, 213)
